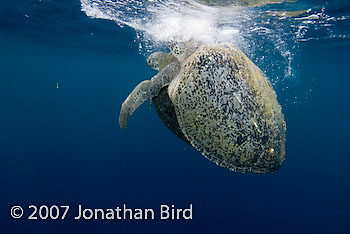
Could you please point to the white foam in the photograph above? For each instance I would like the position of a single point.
(158, 21)
(165, 20)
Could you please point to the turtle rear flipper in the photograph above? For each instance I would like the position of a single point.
(146, 89)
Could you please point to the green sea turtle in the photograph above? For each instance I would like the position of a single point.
(217, 100)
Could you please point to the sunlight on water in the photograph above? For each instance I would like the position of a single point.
(269, 37)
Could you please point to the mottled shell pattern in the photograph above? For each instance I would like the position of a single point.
(227, 109)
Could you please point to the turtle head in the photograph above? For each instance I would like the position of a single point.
(178, 49)
(181, 50)
(156, 59)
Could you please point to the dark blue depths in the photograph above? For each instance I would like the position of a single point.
(62, 146)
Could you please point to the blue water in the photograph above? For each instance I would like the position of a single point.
(62, 146)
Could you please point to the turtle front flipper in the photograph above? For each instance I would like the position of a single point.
(146, 89)
(133, 101)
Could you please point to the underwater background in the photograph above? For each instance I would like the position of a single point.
(66, 66)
